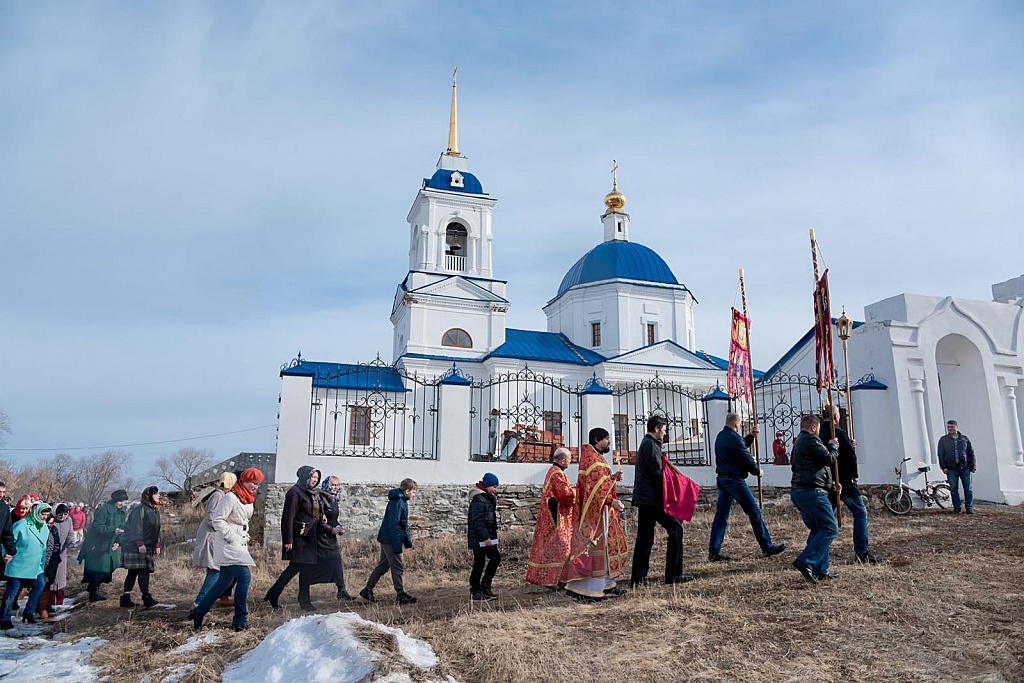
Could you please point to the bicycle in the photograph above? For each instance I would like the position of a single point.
(899, 502)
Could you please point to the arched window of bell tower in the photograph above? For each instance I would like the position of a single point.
(455, 237)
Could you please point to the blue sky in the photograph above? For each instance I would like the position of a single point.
(193, 192)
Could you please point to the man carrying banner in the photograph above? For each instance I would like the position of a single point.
(598, 543)
(552, 536)
(733, 462)
(812, 482)
(649, 500)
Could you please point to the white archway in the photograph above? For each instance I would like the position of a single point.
(965, 398)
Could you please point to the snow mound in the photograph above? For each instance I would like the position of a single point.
(41, 660)
(328, 649)
(196, 642)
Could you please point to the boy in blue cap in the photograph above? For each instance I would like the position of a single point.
(482, 534)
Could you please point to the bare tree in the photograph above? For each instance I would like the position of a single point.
(100, 473)
(5, 427)
(178, 469)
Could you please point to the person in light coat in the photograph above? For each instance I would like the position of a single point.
(202, 555)
(230, 523)
(27, 564)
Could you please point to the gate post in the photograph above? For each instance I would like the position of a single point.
(716, 402)
(598, 408)
(453, 417)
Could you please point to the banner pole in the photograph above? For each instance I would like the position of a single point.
(828, 378)
(750, 397)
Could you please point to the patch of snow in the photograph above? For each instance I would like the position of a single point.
(174, 674)
(196, 642)
(40, 660)
(326, 649)
(164, 605)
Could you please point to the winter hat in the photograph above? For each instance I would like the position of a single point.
(227, 480)
(250, 475)
(61, 509)
(119, 496)
(489, 480)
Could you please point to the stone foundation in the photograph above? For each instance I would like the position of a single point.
(440, 510)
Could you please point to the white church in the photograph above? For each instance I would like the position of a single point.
(463, 394)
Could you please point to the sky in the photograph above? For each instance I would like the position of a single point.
(191, 193)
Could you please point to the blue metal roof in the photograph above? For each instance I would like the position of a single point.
(544, 346)
(616, 259)
(442, 180)
(347, 376)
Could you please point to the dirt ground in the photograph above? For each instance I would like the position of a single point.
(947, 605)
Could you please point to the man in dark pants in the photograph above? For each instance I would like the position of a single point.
(956, 458)
(812, 481)
(649, 501)
(851, 495)
(733, 462)
(7, 546)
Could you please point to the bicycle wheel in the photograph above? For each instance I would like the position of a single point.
(942, 495)
(898, 502)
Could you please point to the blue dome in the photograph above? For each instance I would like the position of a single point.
(442, 180)
(610, 260)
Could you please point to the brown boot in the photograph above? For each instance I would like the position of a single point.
(226, 602)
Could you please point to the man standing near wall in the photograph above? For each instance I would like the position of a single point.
(649, 500)
(733, 462)
(956, 458)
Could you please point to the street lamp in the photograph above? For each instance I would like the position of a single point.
(844, 328)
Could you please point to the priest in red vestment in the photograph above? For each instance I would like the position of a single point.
(598, 544)
(552, 535)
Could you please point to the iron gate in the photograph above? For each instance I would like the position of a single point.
(687, 441)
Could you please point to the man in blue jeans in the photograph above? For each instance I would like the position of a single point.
(812, 465)
(851, 495)
(956, 458)
(733, 462)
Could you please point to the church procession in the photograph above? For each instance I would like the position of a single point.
(490, 503)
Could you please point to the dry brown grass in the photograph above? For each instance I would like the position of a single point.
(949, 605)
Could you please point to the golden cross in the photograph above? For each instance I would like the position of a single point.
(615, 175)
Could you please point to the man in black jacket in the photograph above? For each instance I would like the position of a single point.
(851, 495)
(956, 458)
(733, 462)
(812, 480)
(649, 501)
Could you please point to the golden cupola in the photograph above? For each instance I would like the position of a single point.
(615, 200)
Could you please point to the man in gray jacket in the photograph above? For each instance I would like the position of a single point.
(812, 465)
(956, 458)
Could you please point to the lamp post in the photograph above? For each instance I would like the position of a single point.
(844, 328)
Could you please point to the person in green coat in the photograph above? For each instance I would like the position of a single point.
(100, 546)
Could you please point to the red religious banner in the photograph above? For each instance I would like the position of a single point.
(823, 358)
(739, 375)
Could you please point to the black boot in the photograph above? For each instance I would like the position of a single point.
(149, 601)
(486, 590)
(6, 626)
(344, 595)
(197, 620)
(126, 601)
(30, 618)
(272, 599)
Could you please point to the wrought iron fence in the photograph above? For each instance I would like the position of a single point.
(782, 400)
(373, 410)
(687, 442)
(523, 416)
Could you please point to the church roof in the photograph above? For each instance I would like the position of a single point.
(442, 180)
(544, 346)
(618, 260)
(348, 376)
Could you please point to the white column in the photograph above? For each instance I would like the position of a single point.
(597, 412)
(293, 437)
(917, 389)
(1010, 396)
(453, 421)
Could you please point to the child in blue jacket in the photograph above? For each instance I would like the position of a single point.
(393, 537)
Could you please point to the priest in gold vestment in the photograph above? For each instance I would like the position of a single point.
(598, 544)
(553, 533)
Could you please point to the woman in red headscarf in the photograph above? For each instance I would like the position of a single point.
(230, 523)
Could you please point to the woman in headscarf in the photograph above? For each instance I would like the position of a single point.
(65, 537)
(99, 549)
(328, 567)
(140, 546)
(202, 555)
(300, 520)
(230, 522)
(26, 567)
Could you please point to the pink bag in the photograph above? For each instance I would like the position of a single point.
(680, 492)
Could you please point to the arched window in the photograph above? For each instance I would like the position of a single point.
(455, 239)
(458, 338)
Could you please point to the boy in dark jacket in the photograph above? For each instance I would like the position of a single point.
(393, 537)
(482, 534)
